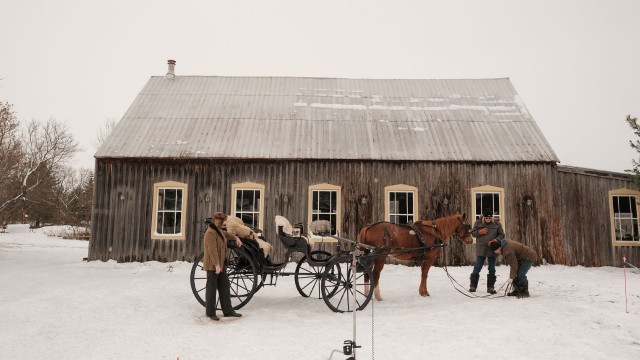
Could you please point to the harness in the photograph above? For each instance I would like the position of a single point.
(437, 240)
(419, 235)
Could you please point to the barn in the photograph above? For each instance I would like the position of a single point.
(350, 151)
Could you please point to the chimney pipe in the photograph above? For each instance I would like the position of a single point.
(171, 72)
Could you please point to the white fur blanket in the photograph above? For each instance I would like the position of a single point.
(286, 225)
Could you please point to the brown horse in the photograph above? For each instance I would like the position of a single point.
(397, 241)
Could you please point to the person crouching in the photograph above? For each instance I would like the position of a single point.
(520, 258)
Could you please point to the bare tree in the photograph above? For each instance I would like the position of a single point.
(45, 146)
(72, 200)
(104, 132)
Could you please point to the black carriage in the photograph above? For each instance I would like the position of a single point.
(318, 274)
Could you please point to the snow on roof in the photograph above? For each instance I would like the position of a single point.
(328, 118)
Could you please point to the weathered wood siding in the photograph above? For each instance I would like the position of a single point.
(582, 216)
(557, 225)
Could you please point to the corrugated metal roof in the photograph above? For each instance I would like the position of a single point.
(326, 118)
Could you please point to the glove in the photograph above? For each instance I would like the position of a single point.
(510, 281)
(483, 231)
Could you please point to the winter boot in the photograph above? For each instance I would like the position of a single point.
(474, 282)
(491, 282)
(524, 291)
(514, 292)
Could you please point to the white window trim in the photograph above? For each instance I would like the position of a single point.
(326, 187)
(400, 188)
(154, 214)
(249, 186)
(489, 189)
(622, 192)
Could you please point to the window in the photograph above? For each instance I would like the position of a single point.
(247, 203)
(624, 216)
(324, 204)
(401, 204)
(169, 210)
(488, 197)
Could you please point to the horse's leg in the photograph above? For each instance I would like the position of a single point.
(426, 265)
(377, 269)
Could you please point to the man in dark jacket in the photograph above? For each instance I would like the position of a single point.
(215, 253)
(484, 230)
(520, 258)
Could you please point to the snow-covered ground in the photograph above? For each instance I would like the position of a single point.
(54, 305)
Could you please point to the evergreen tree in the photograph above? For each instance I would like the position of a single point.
(635, 144)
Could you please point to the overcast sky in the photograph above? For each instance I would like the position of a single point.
(575, 63)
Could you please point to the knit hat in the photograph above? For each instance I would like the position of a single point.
(219, 216)
(494, 245)
(487, 212)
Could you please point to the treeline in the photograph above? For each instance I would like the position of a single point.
(36, 184)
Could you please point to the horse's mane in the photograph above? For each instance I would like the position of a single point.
(446, 224)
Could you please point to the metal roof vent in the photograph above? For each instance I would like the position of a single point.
(171, 70)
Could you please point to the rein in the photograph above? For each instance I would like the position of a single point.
(457, 286)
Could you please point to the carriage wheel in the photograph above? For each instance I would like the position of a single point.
(243, 278)
(308, 277)
(337, 286)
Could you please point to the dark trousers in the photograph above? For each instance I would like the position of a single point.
(218, 283)
(523, 269)
(491, 261)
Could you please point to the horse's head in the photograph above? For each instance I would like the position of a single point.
(463, 230)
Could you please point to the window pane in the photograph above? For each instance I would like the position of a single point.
(393, 204)
(256, 201)
(247, 206)
(324, 207)
(168, 226)
(325, 202)
(178, 227)
(314, 205)
(248, 219)
(178, 199)
(402, 202)
(159, 223)
(400, 206)
(238, 205)
(169, 199)
(160, 198)
(487, 200)
(625, 215)
(246, 200)
(169, 211)
(496, 204)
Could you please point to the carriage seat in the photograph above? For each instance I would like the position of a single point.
(295, 242)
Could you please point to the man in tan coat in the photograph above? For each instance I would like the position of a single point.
(520, 258)
(215, 253)
(237, 229)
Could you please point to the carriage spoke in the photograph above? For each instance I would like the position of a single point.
(242, 278)
(338, 288)
(308, 277)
